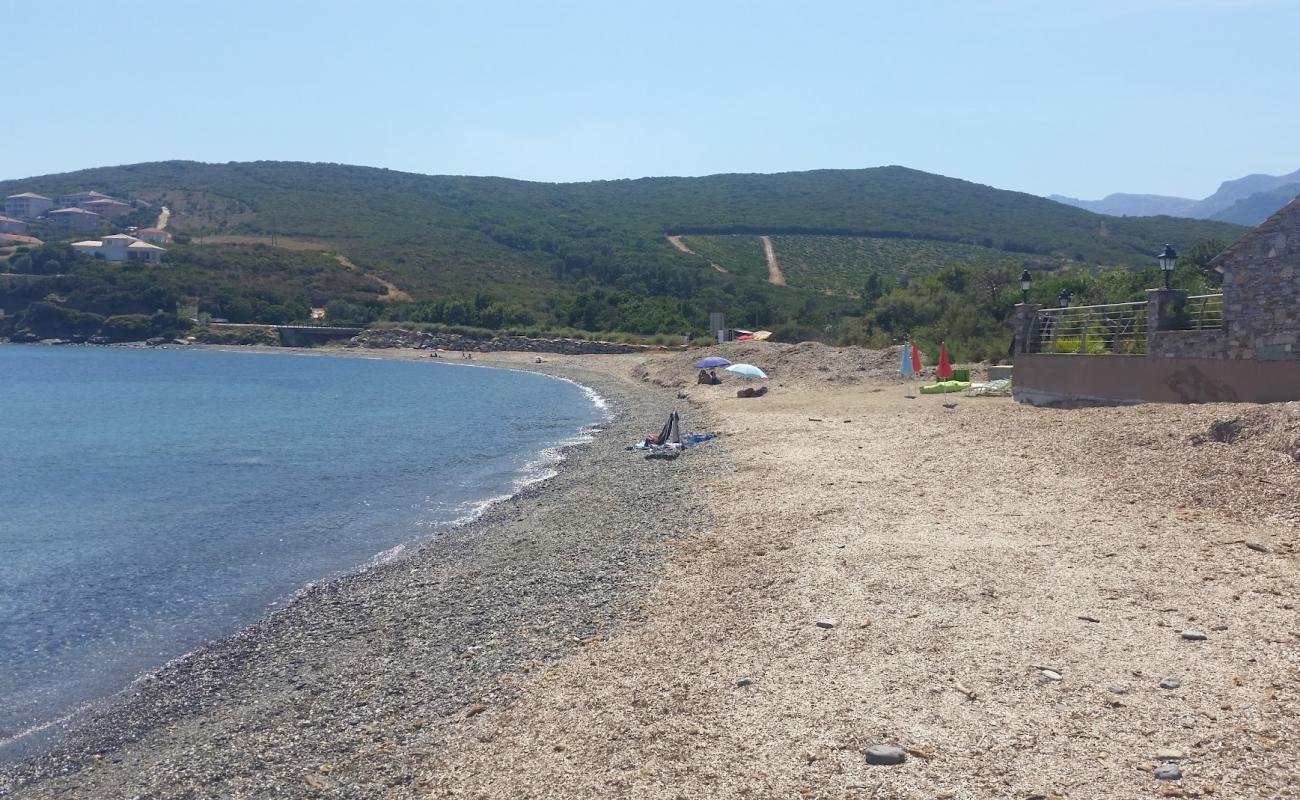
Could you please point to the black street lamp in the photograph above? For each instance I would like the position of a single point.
(1063, 300)
(1167, 261)
(1025, 279)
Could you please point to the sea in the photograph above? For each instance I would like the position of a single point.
(152, 500)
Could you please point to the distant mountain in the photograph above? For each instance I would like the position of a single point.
(1243, 201)
(1232, 192)
(1259, 206)
(1132, 205)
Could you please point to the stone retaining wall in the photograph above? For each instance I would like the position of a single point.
(425, 340)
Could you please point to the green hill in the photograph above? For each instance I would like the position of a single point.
(594, 255)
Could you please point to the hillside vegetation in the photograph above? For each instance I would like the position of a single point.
(594, 255)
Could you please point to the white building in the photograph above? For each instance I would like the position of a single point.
(120, 247)
(27, 205)
(77, 219)
(153, 235)
(11, 225)
(108, 208)
(77, 198)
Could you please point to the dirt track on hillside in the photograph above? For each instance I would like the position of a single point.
(774, 275)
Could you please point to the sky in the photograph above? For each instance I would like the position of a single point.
(1044, 96)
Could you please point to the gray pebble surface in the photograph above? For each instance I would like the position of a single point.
(346, 690)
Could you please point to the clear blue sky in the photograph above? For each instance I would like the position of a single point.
(1081, 98)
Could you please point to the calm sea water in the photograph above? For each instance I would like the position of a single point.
(153, 500)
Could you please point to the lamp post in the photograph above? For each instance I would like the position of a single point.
(1025, 279)
(1167, 261)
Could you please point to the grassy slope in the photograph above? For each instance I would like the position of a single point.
(438, 235)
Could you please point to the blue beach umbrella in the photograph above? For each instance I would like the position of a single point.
(905, 366)
(747, 370)
(709, 362)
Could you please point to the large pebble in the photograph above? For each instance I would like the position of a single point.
(828, 623)
(1168, 754)
(1168, 772)
(1194, 635)
(1051, 674)
(885, 754)
(1170, 683)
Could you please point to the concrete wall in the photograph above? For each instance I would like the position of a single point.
(1048, 379)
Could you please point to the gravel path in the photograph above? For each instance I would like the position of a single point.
(348, 689)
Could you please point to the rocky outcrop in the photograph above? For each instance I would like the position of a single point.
(425, 340)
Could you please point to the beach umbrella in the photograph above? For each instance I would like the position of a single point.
(709, 362)
(945, 366)
(917, 366)
(905, 365)
(747, 370)
(762, 335)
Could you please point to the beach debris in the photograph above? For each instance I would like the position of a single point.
(1192, 635)
(885, 754)
(475, 710)
(921, 752)
(828, 622)
(743, 682)
(970, 693)
(1168, 772)
(950, 405)
(1257, 547)
(314, 782)
(1087, 618)
(1050, 674)
(1170, 683)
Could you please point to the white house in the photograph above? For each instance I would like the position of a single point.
(27, 205)
(120, 247)
(77, 198)
(77, 219)
(153, 235)
(107, 207)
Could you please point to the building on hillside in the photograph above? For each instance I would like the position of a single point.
(107, 207)
(120, 247)
(153, 235)
(77, 198)
(75, 219)
(27, 205)
(11, 225)
(1261, 289)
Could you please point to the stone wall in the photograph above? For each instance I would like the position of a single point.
(1261, 290)
(424, 340)
(1186, 344)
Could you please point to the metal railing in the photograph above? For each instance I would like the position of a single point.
(1117, 328)
(1203, 312)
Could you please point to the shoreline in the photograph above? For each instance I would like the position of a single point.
(253, 666)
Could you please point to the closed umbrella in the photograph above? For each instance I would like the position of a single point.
(905, 364)
(710, 362)
(747, 370)
(945, 366)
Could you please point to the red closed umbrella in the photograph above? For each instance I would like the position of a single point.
(916, 360)
(945, 366)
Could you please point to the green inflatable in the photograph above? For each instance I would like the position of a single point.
(943, 387)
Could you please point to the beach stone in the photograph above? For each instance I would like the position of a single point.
(743, 682)
(1194, 635)
(1117, 690)
(1168, 754)
(1051, 674)
(885, 754)
(828, 623)
(1170, 683)
(1168, 772)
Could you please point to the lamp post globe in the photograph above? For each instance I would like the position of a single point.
(1168, 259)
(1025, 279)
